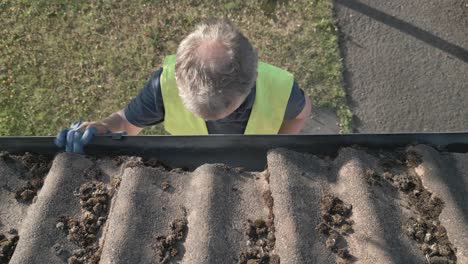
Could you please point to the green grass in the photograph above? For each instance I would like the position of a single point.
(62, 60)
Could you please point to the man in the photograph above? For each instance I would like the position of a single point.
(213, 85)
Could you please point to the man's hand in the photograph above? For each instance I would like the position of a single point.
(102, 129)
(79, 134)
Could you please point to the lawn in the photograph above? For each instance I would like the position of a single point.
(65, 60)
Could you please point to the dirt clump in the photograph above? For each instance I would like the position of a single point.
(37, 165)
(402, 176)
(239, 170)
(268, 199)
(260, 244)
(83, 230)
(167, 245)
(343, 253)
(131, 162)
(267, 175)
(93, 173)
(424, 226)
(35, 168)
(165, 185)
(335, 225)
(335, 215)
(373, 178)
(7, 246)
(134, 161)
(119, 160)
(180, 170)
(6, 157)
(115, 182)
(399, 158)
(412, 159)
(270, 222)
(261, 237)
(154, 163)
(26, 193)
(432, 238)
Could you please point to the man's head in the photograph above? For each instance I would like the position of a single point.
(216, 67)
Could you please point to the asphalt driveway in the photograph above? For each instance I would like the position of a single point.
(406, 64)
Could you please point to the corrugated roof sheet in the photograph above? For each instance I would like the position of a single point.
(362, 206)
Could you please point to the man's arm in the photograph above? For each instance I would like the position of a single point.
(114, 123)
(294, 126)
(144, 110)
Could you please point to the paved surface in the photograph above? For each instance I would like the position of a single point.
(406, 63)
(322, 121)
(148, 202)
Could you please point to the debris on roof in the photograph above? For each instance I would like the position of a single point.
(366, 206)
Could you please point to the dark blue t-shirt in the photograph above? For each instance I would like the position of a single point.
(147, 109)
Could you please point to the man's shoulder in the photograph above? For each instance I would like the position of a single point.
(154, 81)
(157, 73)
(269, 68)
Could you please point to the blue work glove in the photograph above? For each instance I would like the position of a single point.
(73, 139)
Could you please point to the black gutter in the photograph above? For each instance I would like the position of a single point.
(236, 150)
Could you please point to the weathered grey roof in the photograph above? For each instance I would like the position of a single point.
(128, 210)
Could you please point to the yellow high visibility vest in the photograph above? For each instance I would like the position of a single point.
(273, 88)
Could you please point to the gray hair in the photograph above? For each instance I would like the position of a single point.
(215, 65)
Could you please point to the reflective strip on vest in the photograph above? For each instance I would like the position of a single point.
(273, 88)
